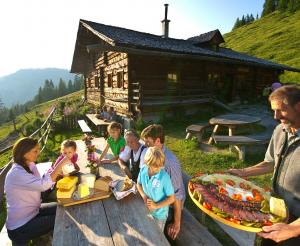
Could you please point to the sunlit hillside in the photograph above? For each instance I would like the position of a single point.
(274, 37)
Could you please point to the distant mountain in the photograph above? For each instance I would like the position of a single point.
(23, 85)
(275, 37)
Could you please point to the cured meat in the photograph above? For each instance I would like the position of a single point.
(241, 210)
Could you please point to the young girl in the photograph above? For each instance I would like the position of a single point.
(68, 148)
(155, 186)
(115, 142)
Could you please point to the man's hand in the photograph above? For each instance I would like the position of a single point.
(151, 205)
(279, 232)
(173, 230)
(238, 172)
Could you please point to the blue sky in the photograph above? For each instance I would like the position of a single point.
(42, 33)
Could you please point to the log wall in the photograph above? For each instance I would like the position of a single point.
(196, 82)
(114, 65)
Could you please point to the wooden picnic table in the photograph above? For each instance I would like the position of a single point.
(101, 125)
(106, 222)
(231, 121)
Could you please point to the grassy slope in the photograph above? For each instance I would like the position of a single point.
(275, 37)
(41, 109)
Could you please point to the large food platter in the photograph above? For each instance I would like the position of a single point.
(233, 201)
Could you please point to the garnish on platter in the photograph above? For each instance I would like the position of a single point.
(235, 201)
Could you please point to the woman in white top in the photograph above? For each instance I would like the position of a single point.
(27, 217)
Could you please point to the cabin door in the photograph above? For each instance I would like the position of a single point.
(228, 88)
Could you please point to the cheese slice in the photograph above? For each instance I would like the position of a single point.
(277, 207)
(83, 190)
(65, 193)
(102, 184)
(67, 182)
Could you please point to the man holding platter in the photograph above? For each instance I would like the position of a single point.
(283, 159)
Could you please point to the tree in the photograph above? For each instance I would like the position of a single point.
(1, 105)
(70, 86)
(236, 24)
(51, 90)
(39, 97)
(12, 117)
(293, 5)
(282, 5)
(78, 83)
(243, 21)
(62, 89)
(269, 7)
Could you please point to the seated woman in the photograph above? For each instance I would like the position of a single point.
(27, 217)
(130, 158)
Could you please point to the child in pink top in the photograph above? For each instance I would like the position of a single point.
(68, 148)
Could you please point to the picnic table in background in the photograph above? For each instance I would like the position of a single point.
(106, 222)
(100, 124)
(231, 121)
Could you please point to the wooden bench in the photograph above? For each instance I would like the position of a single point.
(192, 232)
(197, 129)
(240, 142)
(4, 239)
(84, 126)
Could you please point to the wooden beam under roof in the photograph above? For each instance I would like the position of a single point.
(95, 48)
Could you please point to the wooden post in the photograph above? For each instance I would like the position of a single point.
(230, 133)
(213, 133)
(101, 82)
(130, 87)
(140, 101)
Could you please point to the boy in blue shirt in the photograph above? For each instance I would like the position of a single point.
(155, 186)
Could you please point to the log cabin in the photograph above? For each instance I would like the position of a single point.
(146, 75)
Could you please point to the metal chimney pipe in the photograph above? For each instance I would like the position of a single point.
(166, 11)
(165, 23)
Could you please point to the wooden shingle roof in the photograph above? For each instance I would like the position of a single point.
(127, 40)
(207, 37)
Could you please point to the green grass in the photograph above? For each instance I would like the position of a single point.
(274, 37)
(193, 160)
(39, 111)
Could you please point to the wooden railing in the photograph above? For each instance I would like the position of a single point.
(42, 134)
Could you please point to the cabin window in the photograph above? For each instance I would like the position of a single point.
(105, 58)
(213, 77)
(172, 77)
(109, 80)
(120, 79)
(214, 81)
(96, 81)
